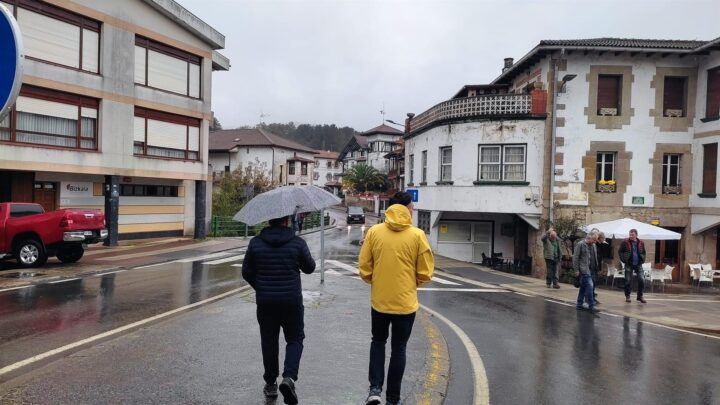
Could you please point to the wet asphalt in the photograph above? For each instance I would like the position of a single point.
(535, 351)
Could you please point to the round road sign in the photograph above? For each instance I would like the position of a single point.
(11, 55)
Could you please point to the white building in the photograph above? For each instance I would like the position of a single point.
(113, 113)
(328, 171)
(474, 162)
(370, 148)
(284, 161)
(636, 136)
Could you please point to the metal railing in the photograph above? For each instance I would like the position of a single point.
(468, 107)
(221, 226)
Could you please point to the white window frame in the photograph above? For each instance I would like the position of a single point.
(667, 164)
(424, 166)
(445, 167)
(502, 164)
(602, 162)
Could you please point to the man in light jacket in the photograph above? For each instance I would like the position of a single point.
(395, 259)
(583, 263)
(272, 265)
(551, 251)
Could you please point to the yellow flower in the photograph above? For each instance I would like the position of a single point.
(611, 182)
(602, 182)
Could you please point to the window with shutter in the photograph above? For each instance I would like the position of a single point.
(674, 96)
(165, 135)
(609, 88)
(713, 93)
(709, 167)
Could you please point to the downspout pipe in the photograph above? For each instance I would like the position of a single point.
(553, 147)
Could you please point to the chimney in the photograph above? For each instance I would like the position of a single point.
(508, 64)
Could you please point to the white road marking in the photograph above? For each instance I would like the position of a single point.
(227, 259)
(489, 290)
(64, 280)
(237, 265)
(481, 386)
(443, 281)
(467, 280)
(206, 257)
(332, 272)
(680, 300)
(16, 288)
(343, 266)
(150, 265)
(59, 350)
(524, 295)
(111, 272)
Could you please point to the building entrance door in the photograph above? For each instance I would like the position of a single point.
(481, 240)
(45, 194)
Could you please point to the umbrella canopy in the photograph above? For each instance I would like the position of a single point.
(284, 201)
(620, 228)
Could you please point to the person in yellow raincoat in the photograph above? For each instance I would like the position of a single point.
(395, 259)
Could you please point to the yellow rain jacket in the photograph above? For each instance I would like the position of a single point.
(395, 259)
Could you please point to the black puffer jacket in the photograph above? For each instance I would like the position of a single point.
(272, 265)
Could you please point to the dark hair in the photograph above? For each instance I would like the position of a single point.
(633, 230)
(277, 221)
(400, 197)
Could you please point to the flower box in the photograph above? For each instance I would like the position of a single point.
(605, 188)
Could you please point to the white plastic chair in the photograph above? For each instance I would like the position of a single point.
(619, 274)
(706, 274)
(610, 271)
(694, 272)
(668, 273)
(647, 272)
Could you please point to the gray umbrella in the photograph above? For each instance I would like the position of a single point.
(284, 201)
(289, 200)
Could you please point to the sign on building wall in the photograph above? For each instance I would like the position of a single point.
(414, 193)
(638, 200)
(11, 55)
(70, 189)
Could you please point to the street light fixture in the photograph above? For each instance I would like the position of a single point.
(393, 122)
(558, 87)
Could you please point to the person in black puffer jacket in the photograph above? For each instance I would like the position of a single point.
(272, 266)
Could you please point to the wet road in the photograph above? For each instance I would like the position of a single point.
(39, 318)
(535, 351)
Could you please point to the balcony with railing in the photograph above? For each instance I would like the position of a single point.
(485, 106)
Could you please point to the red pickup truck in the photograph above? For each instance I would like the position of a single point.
(31, 235)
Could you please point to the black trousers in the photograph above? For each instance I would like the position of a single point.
(401, 329)
(289, 317)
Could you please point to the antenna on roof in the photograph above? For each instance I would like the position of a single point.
(263, 115)
(382, 112)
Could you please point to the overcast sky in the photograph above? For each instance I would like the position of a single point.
(338, 61)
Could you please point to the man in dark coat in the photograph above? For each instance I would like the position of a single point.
(272, 266)
(632, 254)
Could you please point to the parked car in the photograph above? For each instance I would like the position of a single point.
(31, 235)
(355, 215)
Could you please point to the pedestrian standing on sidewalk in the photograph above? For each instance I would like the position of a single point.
(272, 266)
(600, 253)
(583, 263)
(395, 259)
(632, 254)
(551, 250)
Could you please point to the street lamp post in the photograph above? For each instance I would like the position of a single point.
(556, 88)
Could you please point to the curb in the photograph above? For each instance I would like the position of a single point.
(511, 287)
(432, 388)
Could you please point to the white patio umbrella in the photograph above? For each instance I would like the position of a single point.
(620, 228)
(290, 200)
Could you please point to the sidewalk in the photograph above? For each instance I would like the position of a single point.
(696, 312)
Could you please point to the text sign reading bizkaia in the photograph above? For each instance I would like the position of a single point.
(11, 57)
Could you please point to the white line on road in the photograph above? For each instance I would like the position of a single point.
(489, 290)
(64, 280)
(443, 281)
(110, 333)
(481, 385)
(112, 272)
(237, 265)
(524, 295)
(679, 300)
(227, 259)
(343, 266)
(465, 280)
(16, 288)
(205, 257)
(150, 265)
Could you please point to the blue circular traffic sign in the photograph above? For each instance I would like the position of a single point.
(11, 55)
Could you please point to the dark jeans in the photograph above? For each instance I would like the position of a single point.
(594, 275)
(586, 291)
(629, 269)
(401, 329)
(551, 275)
(271, 318)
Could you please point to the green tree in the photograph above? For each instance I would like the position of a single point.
(362, 178)
(216, 125)
(238, 187)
